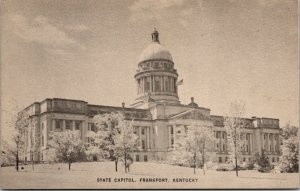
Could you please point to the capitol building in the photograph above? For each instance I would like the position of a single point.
(158, 116)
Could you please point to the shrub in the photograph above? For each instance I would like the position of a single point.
(289, 160)
(262, 163)
(248, 165)
(225, 167)
(211, 165)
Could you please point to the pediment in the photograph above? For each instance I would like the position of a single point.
(192, 114)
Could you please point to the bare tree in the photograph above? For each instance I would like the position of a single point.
(102, 142)
(14, 148)
(68, 146)
(234, 122)
(115, 138)
(289, 159)
(198, 142)
(34, 134)
(125, 141)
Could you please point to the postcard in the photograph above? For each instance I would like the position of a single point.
(149, 94)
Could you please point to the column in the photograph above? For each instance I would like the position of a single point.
(174, 135)
(53, 124)
(148, 138)
(250, 143)
(151, 83)
(278, 143)
(226, 142)
(142, 86)
(267, 141)
(214, 139)
(270, 142)
(274, 138)
(144, 83)
(273, 141)
(138, 87)
(169, 135)
(161, 83)
(263, 140)
(140, 137)
(175, 87)
(171, 84)
(221, 141)
(154, 85)
(63, 125)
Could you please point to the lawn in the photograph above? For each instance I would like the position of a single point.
(85, 175)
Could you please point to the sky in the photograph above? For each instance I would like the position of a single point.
(224, 50)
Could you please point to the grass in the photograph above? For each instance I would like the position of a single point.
(84, 176)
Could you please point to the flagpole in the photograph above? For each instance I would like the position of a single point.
(180, 82)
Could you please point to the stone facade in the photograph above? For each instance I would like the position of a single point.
(159, 117)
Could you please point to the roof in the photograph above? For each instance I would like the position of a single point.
(155, 51)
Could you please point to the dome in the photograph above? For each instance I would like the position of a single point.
(155, 51)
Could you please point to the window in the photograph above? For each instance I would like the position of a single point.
(145, 158)
(93, 127)
(157, 85)
(246, 137)
(172, 130)
(143, 144)
(57, 124)
(217, 145)
(247, 148)
(172, 141)
(139, 85)
(178, 131)
(220, 159)
(42, 156)
(217, 134)
(270, 147)
(244, 159)
(147, 86)
(167, 84)
(223, 147)
(68, 124)
(185, 129)
(137, 158)
(143, 131)
(273, 159)
(42, 128)
(77, 125)
(42, 140)
(223, 135)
